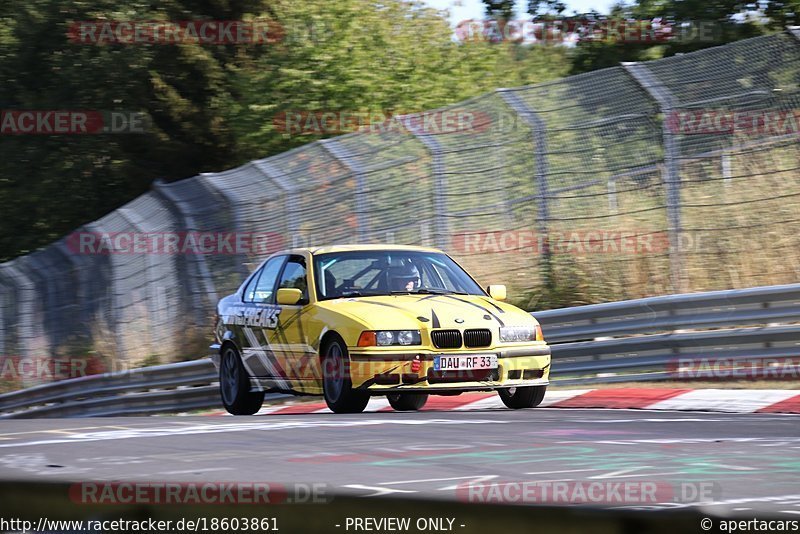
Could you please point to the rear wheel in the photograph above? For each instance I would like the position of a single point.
(336, 384)
(407, 402)
(234, 385)
(525, 397)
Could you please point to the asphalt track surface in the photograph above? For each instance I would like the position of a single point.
(752, 461)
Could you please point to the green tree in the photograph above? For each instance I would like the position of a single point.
(51, 184)
(546, 7)
(697, 24)
(499, 9)
(211, 108)
(406, 62)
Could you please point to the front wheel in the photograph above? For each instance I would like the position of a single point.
(234, 385)
(407, 402)
(336, 384)
(524, 397)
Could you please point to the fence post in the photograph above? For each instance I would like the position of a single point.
(161, 189)
(27, 331)
(671, 173)
(151, 293)
(442, 232)
(727, 172)
(539, 134)
(113, 303)
(230, 201)
(8, 301)
(269, 170)
(342, 155)
(80, 292)
(39, 274)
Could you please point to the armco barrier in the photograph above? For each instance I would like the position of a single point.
(645, 339)
(637, 340)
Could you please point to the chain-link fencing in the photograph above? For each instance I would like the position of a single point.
(669, 176)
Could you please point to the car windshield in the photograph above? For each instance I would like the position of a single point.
(390, 272)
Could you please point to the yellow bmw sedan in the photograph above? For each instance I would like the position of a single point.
(348, 322)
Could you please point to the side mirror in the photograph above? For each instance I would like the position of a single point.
(497, 291)
(289, 296)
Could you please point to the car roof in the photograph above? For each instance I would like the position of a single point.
(355, 248)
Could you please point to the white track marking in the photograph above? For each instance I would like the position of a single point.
(266, 410)
(475, 480)
(668, 441)
(622, 473)
(379, 492)
(445, 479)
(742, 500)
(195, 470)
(37, 463)
(375, 404)
(725, 400)
(489, 403)
(726, 466)
(559, 472)
(267, 424)
(552, 397)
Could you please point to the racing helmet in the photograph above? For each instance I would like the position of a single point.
(404, 277)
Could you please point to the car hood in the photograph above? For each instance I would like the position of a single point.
(430, 311)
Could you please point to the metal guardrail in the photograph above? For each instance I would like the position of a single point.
(158, 389)
(634, 340)
(651, 338)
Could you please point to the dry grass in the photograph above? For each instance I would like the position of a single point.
(737, 233)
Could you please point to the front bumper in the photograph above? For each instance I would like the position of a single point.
(381, 372)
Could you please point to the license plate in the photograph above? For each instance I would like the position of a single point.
(460, 363)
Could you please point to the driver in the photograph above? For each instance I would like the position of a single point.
(404, 277)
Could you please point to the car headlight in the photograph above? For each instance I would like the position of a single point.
(517, 333)
(384, 338)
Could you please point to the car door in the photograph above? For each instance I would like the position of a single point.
(289, 339)
(258, 318)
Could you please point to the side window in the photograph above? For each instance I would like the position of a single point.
(294, 276)
(262, 291)
(249, 291)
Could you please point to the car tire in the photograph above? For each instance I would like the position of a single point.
(234, 385)
(407, 402)
(337, 387)
(524, 397)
